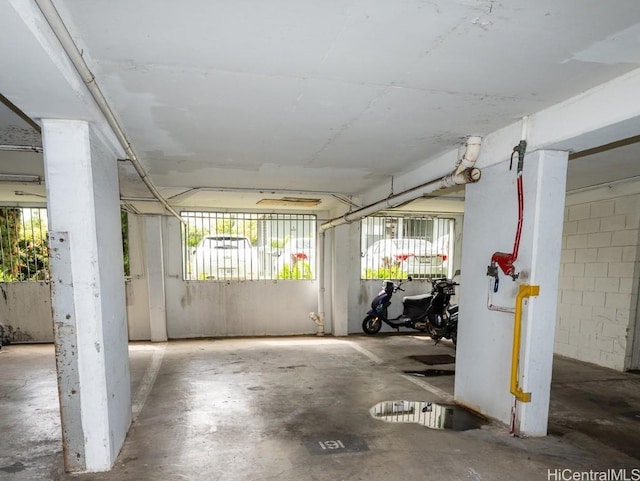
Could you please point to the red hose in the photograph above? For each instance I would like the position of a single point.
(516, 243)
(503, 259)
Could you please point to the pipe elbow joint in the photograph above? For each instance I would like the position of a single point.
(471, 153)
(467, 176)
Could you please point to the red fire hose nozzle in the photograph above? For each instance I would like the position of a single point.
(505, 262)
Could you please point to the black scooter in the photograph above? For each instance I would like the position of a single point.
(431, 313)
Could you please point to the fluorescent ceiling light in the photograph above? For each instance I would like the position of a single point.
(22, 148)
(20, 178)
(22, 192)
(291, 201)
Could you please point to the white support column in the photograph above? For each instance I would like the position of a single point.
(88, 293)
(485, 338)
(154, 267)
(137, 289)
(540, 254)
(340, 280)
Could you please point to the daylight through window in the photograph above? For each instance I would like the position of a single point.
(24, 252)
(397, 247)
(248, 246)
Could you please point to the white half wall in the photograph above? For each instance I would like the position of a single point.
(25, 311)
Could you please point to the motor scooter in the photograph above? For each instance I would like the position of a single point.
(431, 313)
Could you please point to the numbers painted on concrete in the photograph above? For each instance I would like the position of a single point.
(331, 444)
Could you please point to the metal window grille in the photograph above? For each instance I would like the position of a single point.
(24, 252)
(234, 246)
(397, 247)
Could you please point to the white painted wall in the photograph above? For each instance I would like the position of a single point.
(599, 277)
(245, 308)
(25, 310)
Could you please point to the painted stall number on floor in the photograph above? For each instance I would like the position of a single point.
(337, 444)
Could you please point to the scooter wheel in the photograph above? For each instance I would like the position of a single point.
(371, 325)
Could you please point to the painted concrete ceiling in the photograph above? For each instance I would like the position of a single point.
(329, 96)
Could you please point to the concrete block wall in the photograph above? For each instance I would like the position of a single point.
(598, 288)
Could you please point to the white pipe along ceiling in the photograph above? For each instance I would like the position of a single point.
(71, 49)
(464, 173)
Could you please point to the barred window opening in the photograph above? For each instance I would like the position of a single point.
(24, 247)
(398, 247)
(234, 246)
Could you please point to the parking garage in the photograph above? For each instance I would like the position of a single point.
(136, 322)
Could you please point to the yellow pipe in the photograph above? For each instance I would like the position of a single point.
(516, 390)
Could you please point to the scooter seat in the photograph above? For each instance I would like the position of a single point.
(418, 297)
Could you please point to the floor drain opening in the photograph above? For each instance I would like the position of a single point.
(429, 414)
(431, 373)
(635, 415)
(432, 359)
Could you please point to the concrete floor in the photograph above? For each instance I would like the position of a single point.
(273, 408)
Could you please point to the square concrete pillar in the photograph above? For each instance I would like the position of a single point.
(485, 337)
(154, 269)
(343, 240)
(88, 294)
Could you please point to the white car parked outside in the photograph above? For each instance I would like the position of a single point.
(297, 259)
(413, 256)
(224, 257)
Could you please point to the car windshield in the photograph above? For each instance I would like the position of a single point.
(412, 245)
(228, 243)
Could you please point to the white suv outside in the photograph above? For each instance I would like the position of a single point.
(224, 257)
